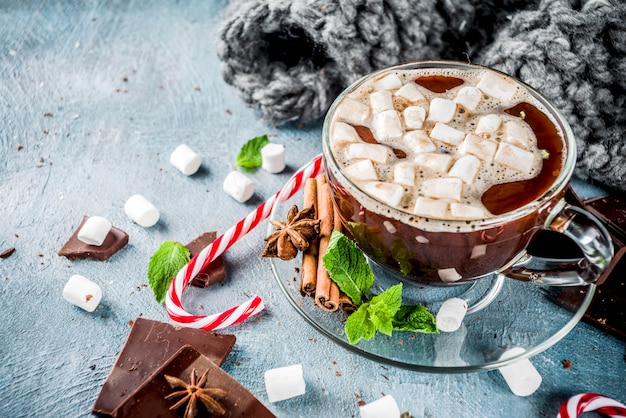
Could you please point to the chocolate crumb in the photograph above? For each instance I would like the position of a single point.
(20, 147)
(88, 298)
(361, 402)
(131, 322)
(230, 112)
(7, 253)
(47, 115)
(196, 88)
(92, 367)
(567, 364)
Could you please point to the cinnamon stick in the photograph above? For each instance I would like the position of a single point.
(326, 291)
(347, 306)
(308, 273)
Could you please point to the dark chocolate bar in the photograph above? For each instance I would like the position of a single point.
(75, 249)
(214, 272)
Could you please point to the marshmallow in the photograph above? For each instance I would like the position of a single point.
(443, 188)
(388, 82)
(390, 227)
(447, 134)
(362, 170)
(469, 97)
(94, 230)
(463, 211)
(411, 93)
(482, 148)
(389, 193)
(141, 211)
(185, 160)
(514, 133)
(514, 157)
(488, 125)
(82, 292)
(419, 141)
(381, 101)
(378, 153)
(478, 251)
(404, 173)
(521, 376)
(385, 407)
(238, 186)
(497, 87)
(430, 208)
(273, 158)
(466, 168)
(387, 126)
(284, 383)
(352, 111)
(450, 315)
(434, 162)
(414, 117)
(343, 132)
(441, 110)
(449, 275)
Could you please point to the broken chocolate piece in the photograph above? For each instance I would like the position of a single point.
(75, 249)
(149, 344)
(149, 399)
(214, 272)
(611, 210)
(7, 253)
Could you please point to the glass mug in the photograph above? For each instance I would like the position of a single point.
(444, 250)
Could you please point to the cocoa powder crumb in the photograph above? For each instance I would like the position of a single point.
(567, 364)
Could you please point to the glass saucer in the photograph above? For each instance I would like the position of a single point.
(502, 314)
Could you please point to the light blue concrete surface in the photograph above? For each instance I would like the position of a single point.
(97, 95)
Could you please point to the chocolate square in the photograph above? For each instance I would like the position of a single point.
(149, 399)
(214, 272)
(149, 344)
(75, 249)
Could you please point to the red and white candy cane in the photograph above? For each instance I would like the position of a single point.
(587, 402)
(253, 306)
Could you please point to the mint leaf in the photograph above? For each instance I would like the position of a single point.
(249, 156)
(383, 307)
(358, 325)
(164, 264)
(415, 318)
(348, 267)
(401, 254)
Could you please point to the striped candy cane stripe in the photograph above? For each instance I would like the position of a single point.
(236, 314)
(586, 402)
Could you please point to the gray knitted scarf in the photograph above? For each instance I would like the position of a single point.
(291, 58)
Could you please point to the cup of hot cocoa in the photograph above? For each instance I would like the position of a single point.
(443, 172)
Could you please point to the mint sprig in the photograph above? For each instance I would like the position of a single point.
(164, 264)
(249, 156)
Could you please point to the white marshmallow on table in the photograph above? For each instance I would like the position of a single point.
(514, 133)
(449, 275)
(434, 162)
(467, 212)
(380, 101)
(385, 407)
(361, 170)
(443, 188)
(404, 173)
(414, 117)
(483, 148)
(521, 376)
(82, 292)
(447, 134)
(273, 158)
(469, 97)
(388, 82)
(387, 126)
(94, 230)
(411, 92)
(186, 160)
(430, 208)
(497, 87)
(141, 211)
(441, 110)
(488, 125)
(343, 132)
(466, 168)
(514, 157)
(450, 315)
(419, 141)
(352, 111)
(378, 153)
(238, 186)
(284, 382)
(389, 193)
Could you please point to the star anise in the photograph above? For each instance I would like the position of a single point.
(193, 392)
(296, 234)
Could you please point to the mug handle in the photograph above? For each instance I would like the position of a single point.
(587, 232)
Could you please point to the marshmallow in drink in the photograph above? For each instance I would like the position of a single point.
(362, 170)
(352, 111)
(385, 407)
(466, 168)
(82, 292)
(469, 97)
(434, 162)
(515, 134)
(388, 82)
(419, 141)
(141, 211)
(389, 193)
(343, 132)
(414, 117)
(443, 188)
(411, 92)
(378, 153)
(94, 230)
(521, 376)
(273, 158)
(404, 173)
(447, 134)
(238, 186)
(497, 87)
(381, 101)
(483, 148)
(514, 157)
(463, 211)
(441, 110)
(185, 159)
(430, 208)
(449, 275)
(387, 126)
(488, 125)
(284, 383)
(450, 315)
